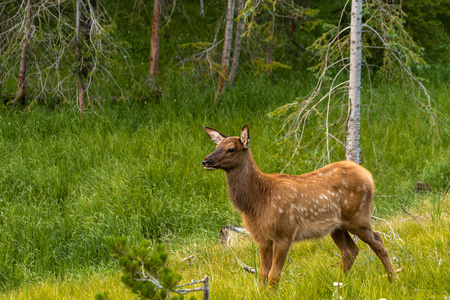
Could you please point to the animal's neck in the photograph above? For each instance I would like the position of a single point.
(247, 186)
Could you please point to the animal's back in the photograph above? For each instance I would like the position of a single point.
(314, 204)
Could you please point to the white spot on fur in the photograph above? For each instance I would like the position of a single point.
(280, 211)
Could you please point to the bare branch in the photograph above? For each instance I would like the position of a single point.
(245, 267)
(414, 217)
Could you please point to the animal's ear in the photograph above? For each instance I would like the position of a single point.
(214, 135)
(245, 137)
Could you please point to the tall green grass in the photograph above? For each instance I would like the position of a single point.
(310, 274)
(134, 168)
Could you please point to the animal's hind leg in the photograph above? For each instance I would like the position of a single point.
(374, 240)
(348, 248)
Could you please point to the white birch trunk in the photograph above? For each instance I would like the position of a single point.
(352, 149)
(202, 8)
(226, 52)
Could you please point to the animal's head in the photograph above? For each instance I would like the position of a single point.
(230, 151)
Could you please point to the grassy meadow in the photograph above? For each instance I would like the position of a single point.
(420, 246)
(132, 168)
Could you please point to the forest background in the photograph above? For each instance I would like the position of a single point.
(125, 159)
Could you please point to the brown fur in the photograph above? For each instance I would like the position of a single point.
(279, 209)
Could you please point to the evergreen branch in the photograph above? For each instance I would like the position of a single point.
(396, 56)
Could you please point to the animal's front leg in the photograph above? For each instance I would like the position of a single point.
(265, 252)
(280, 251)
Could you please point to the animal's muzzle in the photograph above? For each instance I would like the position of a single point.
(207, 164)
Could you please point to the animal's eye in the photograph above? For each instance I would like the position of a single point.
(230, 150)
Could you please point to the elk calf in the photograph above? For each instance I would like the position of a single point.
(279, 209)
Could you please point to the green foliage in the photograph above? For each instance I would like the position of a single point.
(262, 67)
(284, 25)
(428, 23)
(387, 20)
(385, 42)
(144, 270)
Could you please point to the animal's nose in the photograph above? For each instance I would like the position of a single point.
(206, 162)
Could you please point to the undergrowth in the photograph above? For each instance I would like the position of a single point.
(422, 249)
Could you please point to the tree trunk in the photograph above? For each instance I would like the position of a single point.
(83, 33)
(202, 8)
(23, 68)
(270, 44)
(1, 78)
(155, 41)
(352, 149)
(206, 288)
(226, 52)
(237, 44)
(80, 85)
